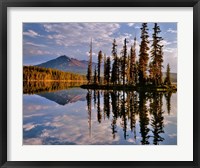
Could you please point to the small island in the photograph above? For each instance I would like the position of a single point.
(125, 72)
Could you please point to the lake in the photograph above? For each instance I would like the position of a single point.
(63, 115)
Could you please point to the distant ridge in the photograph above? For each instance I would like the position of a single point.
(65, 63)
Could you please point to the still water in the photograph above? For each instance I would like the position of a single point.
(75, 116)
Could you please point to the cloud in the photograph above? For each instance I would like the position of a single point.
(130, 24)
(56, 36)
(169, 50)
(35, 45)
(170, 56)
(137, 27)
(165, 42)
(74, 34)
(93, 54)
(39, 52)
(31, 33)
(170, 30)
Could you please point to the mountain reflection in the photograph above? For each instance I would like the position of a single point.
(129, 107)
(63, 97)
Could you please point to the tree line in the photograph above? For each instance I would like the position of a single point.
(126, 69)
(34, 73)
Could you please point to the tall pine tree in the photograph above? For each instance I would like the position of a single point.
(143, 55)
(133, 63)
(124, 62)
(167, 78)
(89, 72)
(114, 73)
(156, 57)
(95, 75)
(107, 73)
(100, 56)
(104, 72)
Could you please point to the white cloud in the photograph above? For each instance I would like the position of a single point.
(170, 30)
(35, 45)
(31, 33)
(130, 24)
(137, 27)
(74, 34)
(170, 56)
(39, 52)
(165, 43)
(56, 36)
(94, 54)
(169, 50)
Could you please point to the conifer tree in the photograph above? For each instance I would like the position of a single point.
(107, 74)
(133, 63)
(156, 57)
(114, 73)
(143, 55)
(167, 78)
(124, 62)
(104, 73)
(128, 69)
(89, 72)
(95, 75)
(100, 56)
(136, 70)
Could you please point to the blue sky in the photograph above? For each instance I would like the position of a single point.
(46, 41)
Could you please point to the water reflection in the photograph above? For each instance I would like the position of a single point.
(32, 87)
(78, 116)
(126, 107)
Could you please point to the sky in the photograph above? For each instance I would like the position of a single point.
(45, 41)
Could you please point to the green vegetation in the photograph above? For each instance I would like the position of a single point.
(33, 73)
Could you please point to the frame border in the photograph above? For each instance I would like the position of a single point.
(4, 4)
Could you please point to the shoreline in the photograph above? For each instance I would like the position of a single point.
(163, 88)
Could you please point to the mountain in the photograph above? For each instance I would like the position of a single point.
(65, 63)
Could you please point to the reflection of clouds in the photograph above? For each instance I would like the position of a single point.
(172, 135)
(79, 134)
(54, 124)
(131, 140)
(31, 108)
(32, 141)
(29, 126)
(169, 122)
(33, 115)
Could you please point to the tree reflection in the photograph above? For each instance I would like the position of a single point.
(127, 110)
(106, 105)
(157, 121)
(168, 100)
(144, 119)
(115, 111)
(133, 110)
(89, 105)
(99, 115)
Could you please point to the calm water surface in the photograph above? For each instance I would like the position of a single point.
(76, 116)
